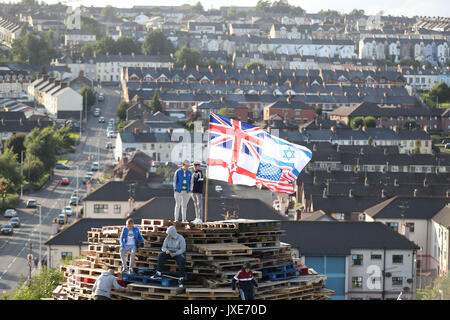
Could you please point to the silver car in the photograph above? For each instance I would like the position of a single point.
(9, 213)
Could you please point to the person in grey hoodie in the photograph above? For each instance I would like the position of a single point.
(103, 285)
(173, 247)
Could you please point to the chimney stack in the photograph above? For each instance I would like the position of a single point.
(396, 182)
(366, 182)
(350, 193)
(170, 131)
(447, 194)
(21, 122)
(425, 182)
(324, 193)
(385, 151)
(415, 192)
(383, 193)
(315, 180)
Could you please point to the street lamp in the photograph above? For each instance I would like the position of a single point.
(78, 194)
(21, 172)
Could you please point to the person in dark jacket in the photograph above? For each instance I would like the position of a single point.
(246, 282)
(197, 192)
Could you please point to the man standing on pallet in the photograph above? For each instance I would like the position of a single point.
(182, 186)
(173, 247)
(246, 282)
(129, 242)
(197, 192)
(103, 285)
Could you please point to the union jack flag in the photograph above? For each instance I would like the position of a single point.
(234, 150)
(240, 153)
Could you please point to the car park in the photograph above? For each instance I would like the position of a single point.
(64, 181)
(67, 210)
(6, 229)
(15, 222)
(9, 213)
(62, 166)
(31, 203)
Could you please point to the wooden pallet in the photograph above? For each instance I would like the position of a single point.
(221, 250)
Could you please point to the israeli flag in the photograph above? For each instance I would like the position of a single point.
(284, 154)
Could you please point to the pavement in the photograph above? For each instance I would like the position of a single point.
(53, 197)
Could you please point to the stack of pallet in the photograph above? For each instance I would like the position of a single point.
(215, 251)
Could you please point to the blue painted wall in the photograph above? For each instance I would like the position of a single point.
(334, 268)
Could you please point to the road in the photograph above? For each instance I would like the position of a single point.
(53, 197)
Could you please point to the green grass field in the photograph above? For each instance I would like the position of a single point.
(62, 160)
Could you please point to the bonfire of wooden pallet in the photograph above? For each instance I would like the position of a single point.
(215, 251)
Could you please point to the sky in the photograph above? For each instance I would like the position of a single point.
(392, 7)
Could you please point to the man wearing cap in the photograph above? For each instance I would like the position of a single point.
(246, 282)
(197, 192)
(182, 186)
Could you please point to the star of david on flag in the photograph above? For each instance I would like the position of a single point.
(240, 153)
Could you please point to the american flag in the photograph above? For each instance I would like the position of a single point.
(240, 153)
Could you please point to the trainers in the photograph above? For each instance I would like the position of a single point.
(130, 270)
(124, 269)
(180, 282)
(156, 276)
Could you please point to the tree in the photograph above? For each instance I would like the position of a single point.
(88, 49)
(329, 12)
(223, 112)
(122, 110)
(433, 291)
(187, 57)
(10, 170)
(417, 147)
(370, 122)
(43, 145)
(40, 286)
(156, 104)
(254, 65)
(197, 7)
(91, 25)
(318, 111)
(232, 12)
(156, 43)
(15, 143)
(33, 167)
(33, 50)
(440, 91)
(106, 45)
(356, 122)
(127, 45)
(370, 141)
(410, 124)
(88, 98)
(64, 140)
(109, 12)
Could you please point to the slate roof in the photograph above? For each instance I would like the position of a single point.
(418, 207)
(339, 238)
(128, 137)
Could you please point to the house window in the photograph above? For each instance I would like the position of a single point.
(347, 168)
(375, 256)
(397, 281)
(393, 225)
(357, 259)
(152, 146)
(117, 208)
(394, 168)
(357, 282)
(397, 258)
(100, 208)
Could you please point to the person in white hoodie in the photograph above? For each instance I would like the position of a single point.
(103, 285)
(173, 247)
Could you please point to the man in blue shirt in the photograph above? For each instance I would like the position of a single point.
(182, 187)
(129, 242)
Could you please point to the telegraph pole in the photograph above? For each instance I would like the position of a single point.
(30, 260)
(21, 172)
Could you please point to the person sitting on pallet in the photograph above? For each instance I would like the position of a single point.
(129, 242)
(173, 247)
(103, 285)
(246, 282)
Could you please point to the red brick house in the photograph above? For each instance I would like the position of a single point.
(289, 110)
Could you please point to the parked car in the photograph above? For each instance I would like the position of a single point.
(15, 222)
(9, 213)
(101, 97)
(64, 181)
(62, 218)
(109, 145)
(95, 166)
(62, 166)
(447, 146)
(87, 178)
(110, 134)
(111, 121)
(31, 203)
(7, 229)
(73, 200)
(219, 189)
(67, 210)
(101, 119)
(97, 113)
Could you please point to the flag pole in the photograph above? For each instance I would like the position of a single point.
(207, 180)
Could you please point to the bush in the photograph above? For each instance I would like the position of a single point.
(356, 122)
(11, 201)
(370, 122)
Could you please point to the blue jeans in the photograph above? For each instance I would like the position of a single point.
(181, 260)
